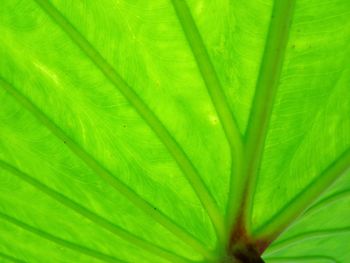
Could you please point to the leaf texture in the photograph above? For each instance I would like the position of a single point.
(155, 131)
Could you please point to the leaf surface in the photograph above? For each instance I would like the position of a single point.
(154, 131)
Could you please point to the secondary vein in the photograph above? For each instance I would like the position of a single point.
(327, 201)
(276, 246)
(105, 174)
(11, 258)
(214, 88)
(266, 89)
(60, 241)
(144, 111)
(302, 259)
(91, 216)
(290, 211)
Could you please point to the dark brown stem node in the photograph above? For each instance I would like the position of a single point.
(246, 253)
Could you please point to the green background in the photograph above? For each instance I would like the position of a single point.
(145, 44)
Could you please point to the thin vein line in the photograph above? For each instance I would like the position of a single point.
(312, 123)
(302, 258)
(266, 89)
(60, 241)
(94, 218)
(327, 201)
(217, 95)
(95, 166)
(11, 258)
(300, 202)
(277, 246)
(144, 111)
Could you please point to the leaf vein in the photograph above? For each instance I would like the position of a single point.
(276, 246)
(300, 202)
(95, 166)
(304, 258)
(327, 201)
(144, 111)
(91, 216)
(11, 258)
(60, 241)
(214, 88)
(266, 89)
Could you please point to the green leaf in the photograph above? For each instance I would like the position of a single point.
(174, 131)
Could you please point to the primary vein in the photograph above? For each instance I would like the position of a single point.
(266, 89)
(214, 88)
(105, 174)
(144, 111)
(94, 218)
